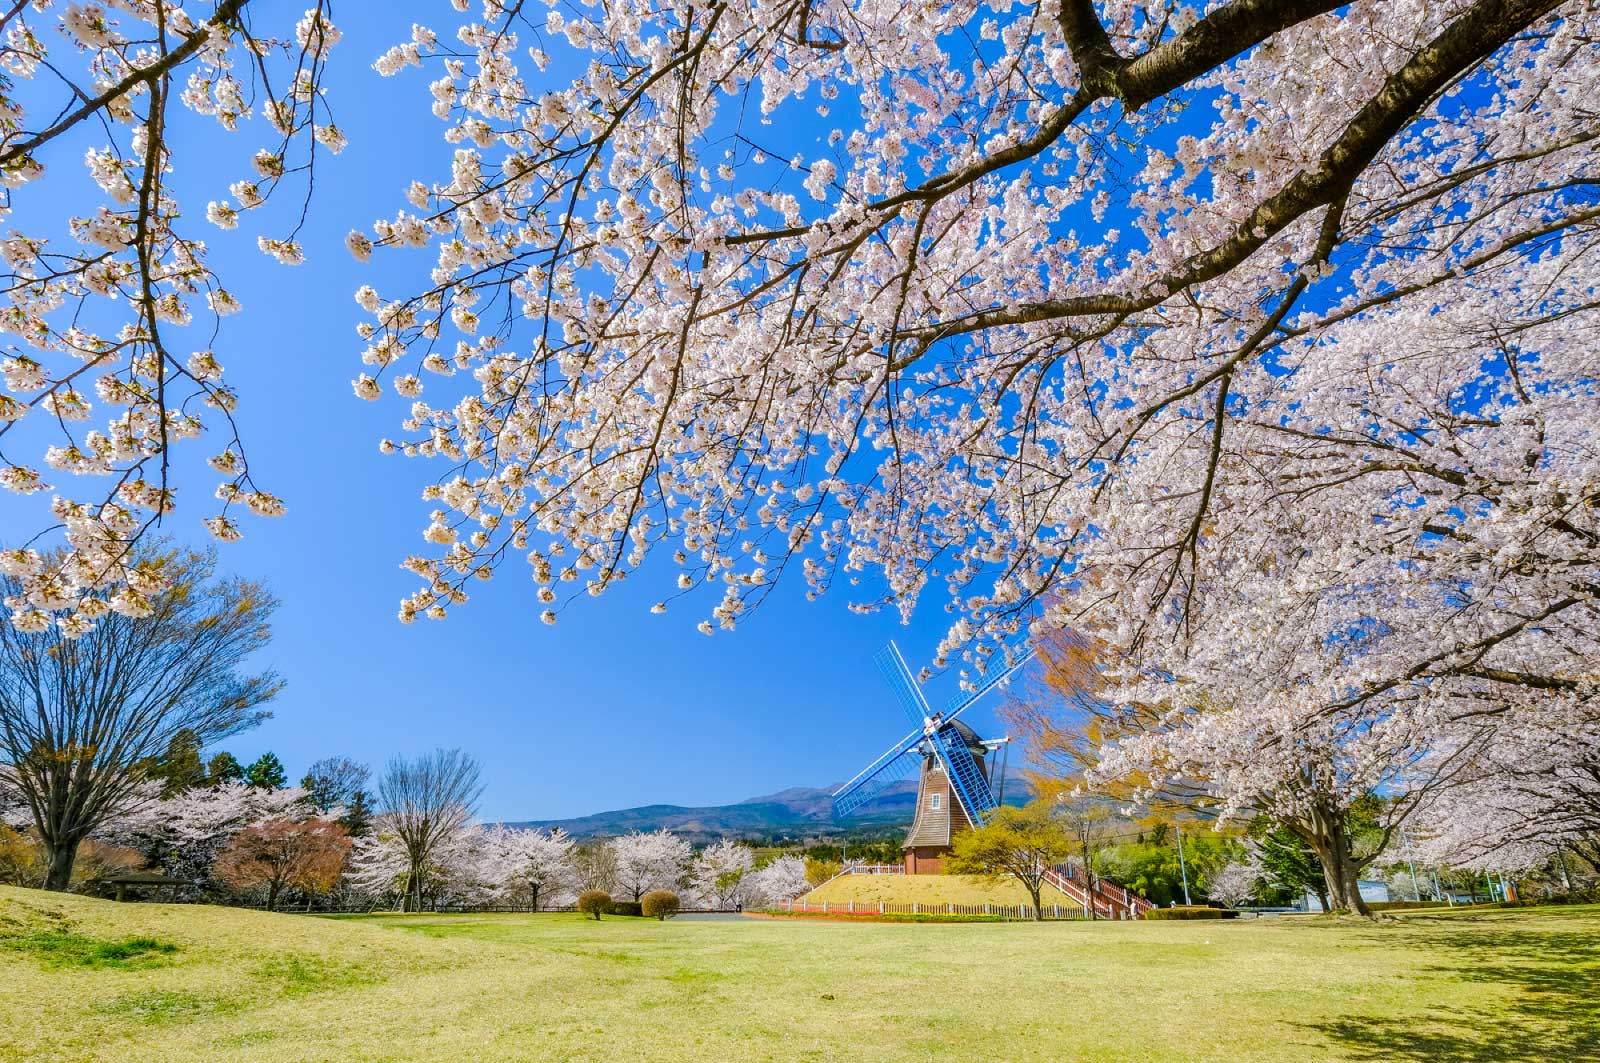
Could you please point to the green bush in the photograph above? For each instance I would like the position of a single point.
(1188, 911)
(659, 904)
(594, 902)
(627, 908)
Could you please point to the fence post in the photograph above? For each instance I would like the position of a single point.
(852, 906)
(913, 907)
(824, 907)
(880, 907)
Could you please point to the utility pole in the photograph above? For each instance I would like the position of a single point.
(1416, 891)
(1183, 868)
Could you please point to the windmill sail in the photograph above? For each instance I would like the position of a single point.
(895, 764)
(898, 675)
(977, 800)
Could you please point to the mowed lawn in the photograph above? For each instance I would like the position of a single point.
(92, 980)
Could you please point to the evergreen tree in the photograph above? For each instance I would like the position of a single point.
(266, 773)
(1291, 865)
(179, 768)
(224, 767)
(357, 818)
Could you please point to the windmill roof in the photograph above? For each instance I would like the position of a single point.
(968, 735)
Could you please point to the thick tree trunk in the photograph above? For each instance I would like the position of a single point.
(272, 896)
(60, 856)
(1329, 836)
(1036, 890)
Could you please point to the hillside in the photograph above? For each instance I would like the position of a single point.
(798, 812)
(868, 890)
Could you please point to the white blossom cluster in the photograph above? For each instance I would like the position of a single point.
(104, 319)
(475, 864)
(186, 833)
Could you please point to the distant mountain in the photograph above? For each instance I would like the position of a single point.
(800, 811)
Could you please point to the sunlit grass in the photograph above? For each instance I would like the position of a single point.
(247, 986)
(928, 889)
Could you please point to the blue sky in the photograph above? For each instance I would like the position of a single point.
(611, 707)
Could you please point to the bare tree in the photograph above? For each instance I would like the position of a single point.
(333, 782)
(426, 802)
(83, 719)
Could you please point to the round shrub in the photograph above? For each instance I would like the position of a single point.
(594, 902)
(660, 904)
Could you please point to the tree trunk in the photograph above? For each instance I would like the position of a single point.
(1036, 890)
(1329, 835)
(272, 896)
(60, 855)
(536, 896)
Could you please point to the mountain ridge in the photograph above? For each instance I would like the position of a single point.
(794, 812)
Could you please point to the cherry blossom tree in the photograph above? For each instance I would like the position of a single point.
(717, 873)
(645, 861)
(531, 867)
(1233, 883)
(185, 834)
(783, 879)
(1530, 794)
(285, 853)
(125, 311)
(1255, 344)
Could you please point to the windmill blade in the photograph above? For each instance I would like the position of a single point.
(895, 764)
(903, 683)
(964, 700)
(971, 787)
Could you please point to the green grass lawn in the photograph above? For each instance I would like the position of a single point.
(92, 980)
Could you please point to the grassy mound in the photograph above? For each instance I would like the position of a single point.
(927, 889)
(248, 987)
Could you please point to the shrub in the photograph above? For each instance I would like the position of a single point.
(627, 908)
(659, 904)
(594, 902)
(1192, 911)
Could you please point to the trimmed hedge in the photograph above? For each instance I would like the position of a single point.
(594, 902)
(659, 904)
(1192, 911)
(627, 908)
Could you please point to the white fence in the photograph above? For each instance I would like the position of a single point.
(869, 908)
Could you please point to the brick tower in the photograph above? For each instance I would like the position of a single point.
(939, 815)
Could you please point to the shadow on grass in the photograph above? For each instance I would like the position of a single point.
(1549, 1011)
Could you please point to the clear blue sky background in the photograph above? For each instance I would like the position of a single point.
(613, 706)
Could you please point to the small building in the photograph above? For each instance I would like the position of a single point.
(940, 815)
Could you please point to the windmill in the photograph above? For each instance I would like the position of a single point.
(953, 789)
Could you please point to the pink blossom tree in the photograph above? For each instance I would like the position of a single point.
(645, 861)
